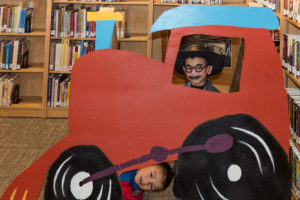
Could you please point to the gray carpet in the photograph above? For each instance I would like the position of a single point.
(23, 140)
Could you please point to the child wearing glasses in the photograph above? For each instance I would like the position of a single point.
(152, 178)
(197, 63)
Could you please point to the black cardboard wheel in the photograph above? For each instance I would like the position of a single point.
(255, 168)
(64, 177)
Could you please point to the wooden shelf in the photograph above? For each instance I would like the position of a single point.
(292, 77)
(179, 4)
(107, 3)
(134, 38)
(28, 107)
(57, 112)
(292, 22)
(36, 33)
(59, 72)
(34, 68)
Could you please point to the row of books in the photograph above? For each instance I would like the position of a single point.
(205, 2)
(208, 2)
(15, 19)
(14, 54)
(69, 22)
(293, 95)
(272, 4)
(290, 53)
(58, 90)
(291, 9)
(9, 89)
(66, 22)
(64, 53)
(294, 160)
(95, 0)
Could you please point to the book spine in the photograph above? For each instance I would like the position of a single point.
(70, 58)
(49, 91)
(56, 21)
(52, 52)
(9, 18)
(1, 93)
(84, 26)
(72, 24)
(62, 19)
(2, 54)
(7, 55)
(66, 59)
(11, 54)
(57, 56)
(65, 92)
(61, 97)
(56, 92)
(18, 19)
(28, 20)
(5, 15)
(15, 56)
(13, 19)
(22, 21)
(69, 23)
(19, 60)
(73, 56)
(53, 90)
(5, 88)
(68, 94)
(65, 34)
(78, 24)
(1, 18)
(75, 25)
(297, 58)
(52, 26)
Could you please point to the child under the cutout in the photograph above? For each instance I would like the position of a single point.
(154, 178)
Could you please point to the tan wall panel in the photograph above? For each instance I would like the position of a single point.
(36, 51)
(139, 47)
(31, 84)
(137, 17)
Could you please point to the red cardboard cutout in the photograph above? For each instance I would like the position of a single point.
(125, 103)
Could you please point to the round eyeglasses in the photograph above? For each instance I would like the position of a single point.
(198, 68)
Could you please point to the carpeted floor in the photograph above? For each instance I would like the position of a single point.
(23, 140)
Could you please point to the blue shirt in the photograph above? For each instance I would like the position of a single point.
(129, 178)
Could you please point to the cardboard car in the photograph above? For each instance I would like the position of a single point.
(125, 113)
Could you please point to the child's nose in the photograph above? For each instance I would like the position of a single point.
(194, 72)
(146, 180)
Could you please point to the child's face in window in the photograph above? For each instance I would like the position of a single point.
(150, 178)
(197, 77)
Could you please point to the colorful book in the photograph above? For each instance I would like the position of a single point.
(7, 55)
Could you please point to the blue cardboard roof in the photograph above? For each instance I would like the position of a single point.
(201, 15)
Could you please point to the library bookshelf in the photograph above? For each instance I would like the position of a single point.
(34, 80)
(294, 196)
(288, 26)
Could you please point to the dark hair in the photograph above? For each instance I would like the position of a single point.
(169, 174)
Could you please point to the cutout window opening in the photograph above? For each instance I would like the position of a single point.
(209, 73)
